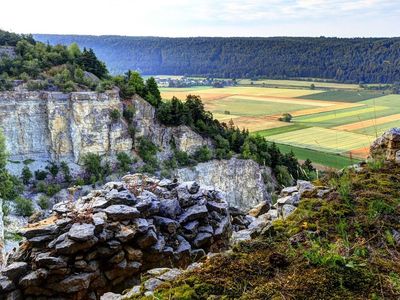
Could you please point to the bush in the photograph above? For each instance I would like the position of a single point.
(40, 175)
(283, 176)
(129, 112)
(52, 189)
(203, 154)
(44, 202)
(94, 167)
(26, 175)
(66, 171)
(23, 207)
(79, 181)
(115, 115)
(286, 118)
(53, 168)
(124, 161)
(182, 158)
(147, 150)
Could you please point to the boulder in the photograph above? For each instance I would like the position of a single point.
(121, 212)
(81, 232)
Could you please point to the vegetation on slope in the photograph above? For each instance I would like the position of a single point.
(344, 246)
(352, 60)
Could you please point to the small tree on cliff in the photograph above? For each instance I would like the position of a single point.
(153, 94)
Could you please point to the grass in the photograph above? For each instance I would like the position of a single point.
(321, 158)
(246, 107)
(344, 96)
(279, 130)
(378, 130)
(323, 139)
(300, 83)
(338, 247)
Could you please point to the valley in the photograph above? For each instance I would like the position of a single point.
(333, 123)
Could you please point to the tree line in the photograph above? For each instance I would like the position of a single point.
(352, 60)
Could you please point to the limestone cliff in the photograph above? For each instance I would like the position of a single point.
(146, 125)
(241, 180)
(54, 126)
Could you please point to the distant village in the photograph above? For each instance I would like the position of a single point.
(183, 81)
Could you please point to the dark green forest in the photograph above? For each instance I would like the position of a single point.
(356, 60)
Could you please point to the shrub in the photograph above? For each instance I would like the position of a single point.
(286, 118)
(66, 171)
(129, 112)
(147, 150)
(41, 187)
(124, 161)
(94, 167)
(182, 158)
(26, 175)
(283, 176)
(79, 181)
(44, 202)
(40, 175)
(23, 207)
(52, 189)
(115, 115)
(53, 168)
(203, 154)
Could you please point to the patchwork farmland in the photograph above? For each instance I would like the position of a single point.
(337, 120)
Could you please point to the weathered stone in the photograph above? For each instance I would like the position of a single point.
(193, 213)
(133, 254)
(170, 275)
(184, 246)
(126, 233)
(152, 283)
(203, 238)
(147, 240)
(34, 278)
(111, 296)
(387, 146)
(40, 240)
(219, 207)
(260, 209)
(117, 258)
(69, 246)
(287, 210)
(81, 232)
(73, 283)
(292, 199)
(46, 260)
(288, 190)
(124, 268)
(34, 231)
(170, 208)
(141, 225)
(123, 197)
(15, 270)
(304, 186)
(166, 224)
(6, 284)
(121, 212)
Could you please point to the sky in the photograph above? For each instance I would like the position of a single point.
(183, 18)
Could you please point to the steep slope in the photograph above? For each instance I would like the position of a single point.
(345, 245)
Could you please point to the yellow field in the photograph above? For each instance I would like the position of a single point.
(300, 83)
(333, 107)
(368, 123)
(258, 123)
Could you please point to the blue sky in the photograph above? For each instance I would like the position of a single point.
(343, 18)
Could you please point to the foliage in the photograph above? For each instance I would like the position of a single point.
(355, 60)
(45, 67)
(203, 154)
(66, 171)
(53, 169)
(26, 175)
(44, 202)
(286, 118)
(147, 151)
(124, 161)
(128, 112)
(23, 207)
(94, 167)
(115, 115)
(326, 249)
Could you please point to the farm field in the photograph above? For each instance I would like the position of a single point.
(338, 121)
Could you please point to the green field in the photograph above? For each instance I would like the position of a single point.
(323, 139)
(322, 158)
(279, 130)
(344, 96)
(327, 126)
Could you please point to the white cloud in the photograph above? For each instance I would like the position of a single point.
(204, 17)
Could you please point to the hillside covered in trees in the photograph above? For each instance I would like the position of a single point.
(366, 60)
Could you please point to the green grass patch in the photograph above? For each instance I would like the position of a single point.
(378, 130)
(322, 158)
(248, 107)
(279, 130)
(344, 96)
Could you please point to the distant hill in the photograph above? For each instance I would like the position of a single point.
(355, 60)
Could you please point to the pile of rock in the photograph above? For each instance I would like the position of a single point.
(262, 215)
(387, 146)
(99, 243)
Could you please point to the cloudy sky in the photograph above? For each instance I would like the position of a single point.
(342, 18)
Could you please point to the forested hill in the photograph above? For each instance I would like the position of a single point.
(347, 60)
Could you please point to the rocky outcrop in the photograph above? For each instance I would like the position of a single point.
(105, 240)
(241, 180)
(1, 233)
(387, 146)
(182, 137)
(43, 126)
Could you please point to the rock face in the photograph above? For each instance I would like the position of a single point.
(53, 126)
(7, 51)
(147, 126)
(105, 240)
(387, 146)
(241, 180)
(1, 233)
